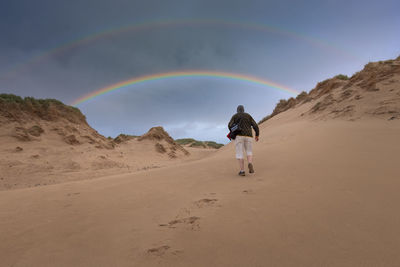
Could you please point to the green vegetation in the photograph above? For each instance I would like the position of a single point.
(198, 144)
(195, 143)
(126, 136)
(213, 144)
(11, 98)
(38, 106)
(342, 77)
(302, 95)
(43, 103)
(185, 141)
(282, 106)
(123, 138)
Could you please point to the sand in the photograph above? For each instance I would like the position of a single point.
(310, 203)
(49, 160)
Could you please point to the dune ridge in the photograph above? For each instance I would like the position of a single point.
(45, 142)
(371, 92)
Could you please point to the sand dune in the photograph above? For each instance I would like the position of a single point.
(325, 193)
(49, 159)
(310, 203)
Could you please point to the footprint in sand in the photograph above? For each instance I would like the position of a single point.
(73, 194)
(205, 202)
(184, 218)
(192, 222)
(177, 252)
(162, 250)
(158, 251)
(248, 191)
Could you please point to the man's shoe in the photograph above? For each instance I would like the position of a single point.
(241, 173)
(251, 169)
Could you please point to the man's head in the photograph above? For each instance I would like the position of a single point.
(240, 108)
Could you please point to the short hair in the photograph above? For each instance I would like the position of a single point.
(240, 108)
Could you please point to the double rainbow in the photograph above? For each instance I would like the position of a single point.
(183, 74)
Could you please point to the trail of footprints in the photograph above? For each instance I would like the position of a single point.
(186, 220)
(184, 217)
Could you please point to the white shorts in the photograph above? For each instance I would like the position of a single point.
(243, 143)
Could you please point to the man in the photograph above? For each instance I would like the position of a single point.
(244, 137)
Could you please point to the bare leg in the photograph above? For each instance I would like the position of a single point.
(241, 164)
(250, 161)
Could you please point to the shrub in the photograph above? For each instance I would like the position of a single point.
(197, 144)
(185, 141)
(11, 98)
(301, 95)
(194, 143)
(40, 107)
(213, 144)
(342, 77)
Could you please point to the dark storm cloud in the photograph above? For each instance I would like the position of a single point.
(187, 107)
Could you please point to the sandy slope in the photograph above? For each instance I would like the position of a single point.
(50, 160)
(325, 193)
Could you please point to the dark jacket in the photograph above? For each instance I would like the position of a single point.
(245, 123)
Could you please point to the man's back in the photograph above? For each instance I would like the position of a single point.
(245, 123)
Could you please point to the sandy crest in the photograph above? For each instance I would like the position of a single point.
(325, 193)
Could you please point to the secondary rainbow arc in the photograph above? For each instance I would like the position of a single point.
(141, 26)
(184, 74)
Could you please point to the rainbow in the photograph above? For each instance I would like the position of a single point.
(143, 26)
(183, 74)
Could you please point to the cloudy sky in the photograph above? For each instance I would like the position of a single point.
(67, 49)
